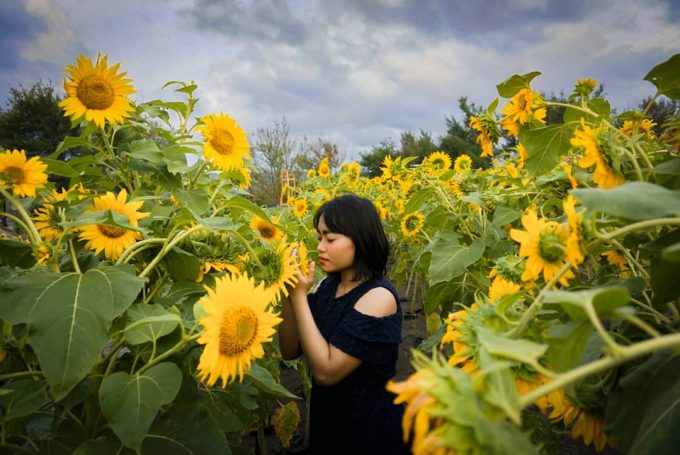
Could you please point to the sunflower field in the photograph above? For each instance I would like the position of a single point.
(139, 303)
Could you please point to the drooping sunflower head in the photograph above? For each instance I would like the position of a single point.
(300, 207)
(267, 230)
(226, 144)
(237, 325)
(277, 268)
(412, 223)
(641, 126)
(97, 92)
(23, 176)
(439, 162)
(485, 124)
(324, 168)
(584, 87)
(463, 164)
(113, 240)
(47, 217)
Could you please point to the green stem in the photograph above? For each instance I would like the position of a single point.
(32, 232)
(161, 254)
(130, 251)
(628, 353)
(636, 165)
(179, 346)
(640, 324)
(16, 220)
(595, 320)
(537, 303)
(157, 287)
(632, 228)
(74, 258)
(261, 443)
(660, 316)
(651, 103)
(644, 156)
(20, 374)
(249, 248)
(203, 165)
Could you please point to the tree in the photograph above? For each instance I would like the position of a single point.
(33, 120)
(312, 153)
(275, 150)
(662, 110)
(460, 138)
(370, 162)
(418, 146)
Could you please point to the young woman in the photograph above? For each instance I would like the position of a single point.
(349, 331)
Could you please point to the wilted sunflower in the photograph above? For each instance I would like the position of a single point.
(226, 144)
(47, 217)
(462, 164)
(300, 207)
(412, 223)
(23, 176)
(544, 245)
(97, 92)
(488, 132)
(237, 325)
(267, 231)
(113, 240)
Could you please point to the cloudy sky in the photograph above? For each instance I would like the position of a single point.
(349, 71)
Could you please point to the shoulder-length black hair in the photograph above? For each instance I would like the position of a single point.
(358, 219)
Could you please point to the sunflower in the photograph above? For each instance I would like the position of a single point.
(412, 223)
(544, 245)
(500, 287)
(303, 258)
(23, 176)
(574, 253)
(352, 172)
(586, 138)
(237, 325)
(463, 164)
(97, 92)
(522, 155)
(584, 87)
(276, 268)
(454, 187)
(267, 231)
(645, 126)
(311, 173)
(41, 253)
(300, 207)
(440, 162)
(113, 240)
(226, 144)
(570, 175)
(488, 133)
(525, 107)
(324, 168)
(47, 217)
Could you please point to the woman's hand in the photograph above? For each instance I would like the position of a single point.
(305, 282)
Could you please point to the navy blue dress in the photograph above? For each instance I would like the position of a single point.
(357, 415)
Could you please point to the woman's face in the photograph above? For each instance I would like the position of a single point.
(336, 251)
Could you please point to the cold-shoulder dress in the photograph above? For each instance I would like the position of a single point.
(357, 415)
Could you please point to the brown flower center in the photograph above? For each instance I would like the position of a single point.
(95, 92)
(111, 231)
(223, 142)
(267, 232)
(237, 330)
(13, 175)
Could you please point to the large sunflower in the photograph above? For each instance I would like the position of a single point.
(97, 92)
(113, 240)
(267, 231)
(21, 175)
(277, 268)
(544, 245)
(237, 325)
(226, 144)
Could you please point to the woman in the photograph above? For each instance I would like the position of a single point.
(349, 331)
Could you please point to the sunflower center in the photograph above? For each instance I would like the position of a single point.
(267, 232)
(522, 103)
(550, 247)
(222, 141)
(237, 330)
(111, 231)
(95, 92)
(13, 175)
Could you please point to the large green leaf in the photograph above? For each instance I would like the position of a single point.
(633, 200)
(666, 77)
(450, 258)
(186, 429)
(147, 323)
(567, 344)
(500, 384)
(196, 200)
(643, 412)
(130, 403)
(507, 348)
(665, 281)
(239, 202)
(21, 398)
(545, 146)
(16, 254)
(146, 149)
(603, 300)
(418, 199)
(436, 296)
(70, 316)
(264, 380)
(182, 266)
(509, 87)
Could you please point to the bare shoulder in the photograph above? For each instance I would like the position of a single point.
(377, 302)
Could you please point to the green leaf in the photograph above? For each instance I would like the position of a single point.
(603, 300)
(70, 316)
(671, 253)
(505, 215)
(264, 380)
(418, 199)
(633, 200)
(507, 348)
(545, 146)
(196, 200)
(217, 223)
(186, 429)
(130, 403)
(509, 87)
(107, 217)
(437, 295)
(242, 203)
(600, 106)
(643, 412)
(175, 158)
(500, 385)
(146, 149)
(670, 167)
(450, 258)
(16, 254)
(70, 142)
(21, 398)
(666, 77)
(665, 281)
(59, 167)
(182, 266)
(147, 323)
(567, 344)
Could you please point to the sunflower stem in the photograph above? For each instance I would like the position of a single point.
(166, 248)
(261, 442)
(646, 224)
(636, 165)
(74, 258)
(18, 221)
(32, 232)
(21, 374)
(645, 158)
(627, 353)
(179, 346)
(640, 324)
(615, 349)
(130, 251)
(249, 248)
(193, 181)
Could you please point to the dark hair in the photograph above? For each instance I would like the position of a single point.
(358, 219)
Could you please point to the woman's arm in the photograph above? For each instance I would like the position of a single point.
(289, 340)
